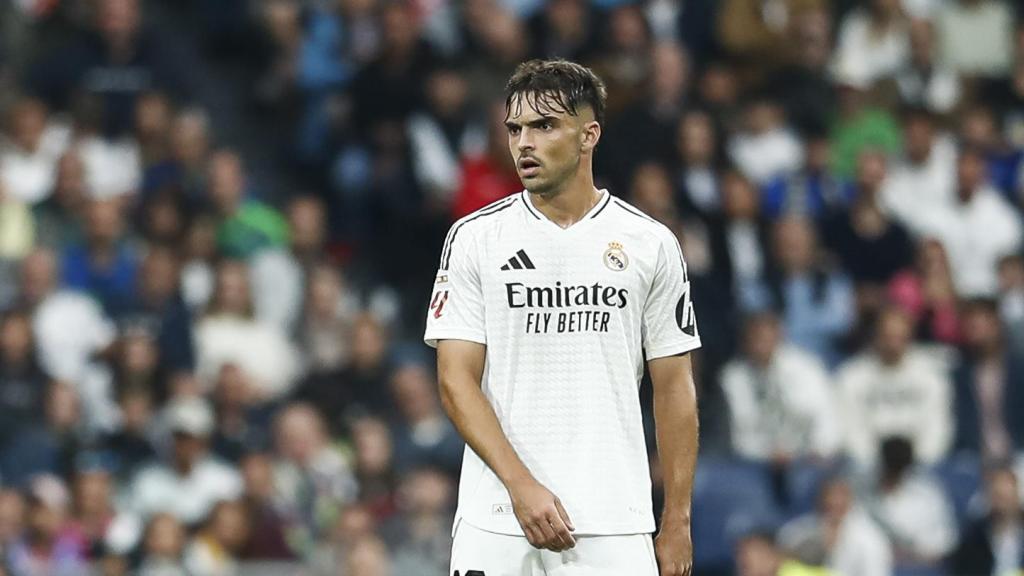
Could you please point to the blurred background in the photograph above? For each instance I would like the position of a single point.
(220, 221)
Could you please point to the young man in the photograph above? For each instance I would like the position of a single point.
(543, 309)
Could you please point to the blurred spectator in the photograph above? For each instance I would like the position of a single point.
(22, 381)
(33, 148)
(989, 397)
(926, 294)
(923, 179)
(245, 225)
(242, 418)
(994, 544)
(48, 548)
(911, 508)
(804, 86)
(976, 36)
(229, 333)
(105, 265)
(444, 131)
(419, 535)
(162, 546)
(197, 274)
(859, 125)
(131, 444)
(813, 191)
(93, 502)
(1011, 301)
(58, 218)
(368, 557)
(423, 436)
(12, 517)
(312, 478)
(651, 191)
(871, 247)
(697, 179)
(624, 62)
(325, 328)
(49, 447)
(190, 149)
(765, 147)
(758, 555)
(873, 43)
(118, 60)
(267, 526)
(490, 175)
(355, 524)
(979, 129)
(1006, 97)
(159, 309)
(895, 389)
(374, 460)
(214, 549)
(564, 29)
(815, 301)
(780, 399)
(840, 535)
(738, 240)
(977, 230)
(190, 482)
(278, 275)
(924, 81)
(152, 126)
(757, 35)
(646, 130)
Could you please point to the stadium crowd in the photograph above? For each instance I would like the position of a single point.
(211, 310)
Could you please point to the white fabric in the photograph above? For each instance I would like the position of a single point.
(30, 176)
(69, 328)
(762, 157)
(435, 163)
(912, 193)
(158, 488)
(196, 284)
(799, 420)
(278, 288)
(204, 557)
(918, 516)
(566, 339)
(495, 554)
(862, 56)
(939, 92)
(260, 349)
(976, 39)
(861, 548)
(912, 399)
(112, 168)
(976, 235)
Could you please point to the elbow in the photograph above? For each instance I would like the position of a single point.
(447, 393)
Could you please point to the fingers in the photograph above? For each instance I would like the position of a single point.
(563, 537)
(675, 569)
(563, 514)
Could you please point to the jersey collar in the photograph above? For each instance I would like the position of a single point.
(596, 209)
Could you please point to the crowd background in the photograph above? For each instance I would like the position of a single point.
(220, 221)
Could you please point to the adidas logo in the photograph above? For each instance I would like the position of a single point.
(519, 261)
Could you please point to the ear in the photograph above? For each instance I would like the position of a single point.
(590, 134)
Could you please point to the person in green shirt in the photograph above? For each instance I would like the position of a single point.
(245, 225)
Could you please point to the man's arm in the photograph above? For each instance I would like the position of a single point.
(675, 416)
(460, 367)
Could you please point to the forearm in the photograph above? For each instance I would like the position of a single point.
(675, 414)
(475, 419)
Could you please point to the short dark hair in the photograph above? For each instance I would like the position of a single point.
(556, 86)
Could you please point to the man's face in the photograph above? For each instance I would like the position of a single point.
(546, 145)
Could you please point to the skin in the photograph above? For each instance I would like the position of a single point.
(553, 152)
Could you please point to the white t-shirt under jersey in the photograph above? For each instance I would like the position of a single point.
(564, 314)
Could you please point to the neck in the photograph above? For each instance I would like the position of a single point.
(568, 205)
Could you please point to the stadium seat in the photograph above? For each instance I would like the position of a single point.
(730, 498)
(960, 477)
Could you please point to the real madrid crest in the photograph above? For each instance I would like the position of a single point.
(615, 258)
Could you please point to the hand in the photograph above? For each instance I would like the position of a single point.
(542, 517)
(674, 550)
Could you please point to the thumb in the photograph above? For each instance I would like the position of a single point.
(564, 515)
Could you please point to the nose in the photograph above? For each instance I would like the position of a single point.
(525, 140)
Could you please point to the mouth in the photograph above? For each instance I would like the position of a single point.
(528, 166)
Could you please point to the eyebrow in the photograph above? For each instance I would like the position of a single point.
(532, 123)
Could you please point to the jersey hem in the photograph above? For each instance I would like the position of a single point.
(613, 530)
(673, 349)
(431, 338)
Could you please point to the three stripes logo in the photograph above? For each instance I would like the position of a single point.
(519, 262)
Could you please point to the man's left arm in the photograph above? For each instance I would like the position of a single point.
(675, 415)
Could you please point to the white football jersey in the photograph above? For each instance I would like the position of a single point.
(567, 316)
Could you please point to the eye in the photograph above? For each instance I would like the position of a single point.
(546, 125)
(513, 130)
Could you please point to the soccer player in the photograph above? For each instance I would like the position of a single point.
(543, 309)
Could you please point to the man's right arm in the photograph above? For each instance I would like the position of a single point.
(460, 367)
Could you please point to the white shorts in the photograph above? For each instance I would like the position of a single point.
(476, 552)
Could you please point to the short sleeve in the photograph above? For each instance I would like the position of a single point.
(456, 308)
(669, 324)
